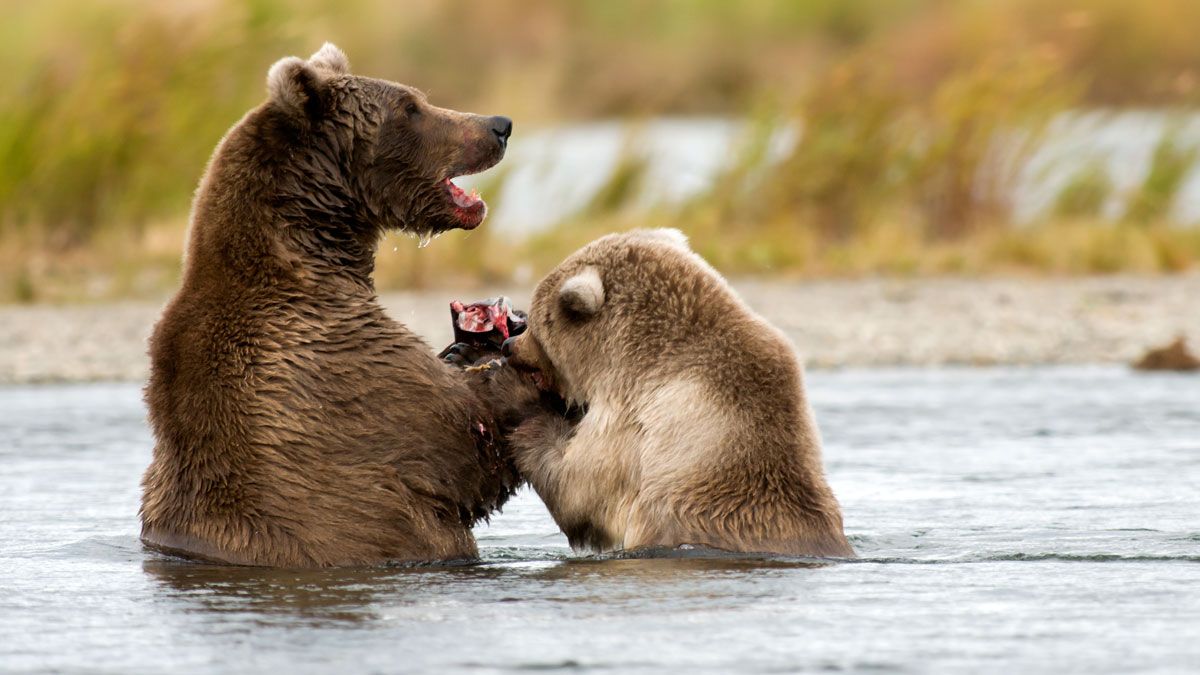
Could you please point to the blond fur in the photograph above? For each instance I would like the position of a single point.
(697, 429)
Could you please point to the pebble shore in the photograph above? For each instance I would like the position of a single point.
(834, 324)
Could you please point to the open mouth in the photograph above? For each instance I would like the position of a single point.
(548, 385)
(543, 381)
(551, 394)
(551, 397)
(469, 208)
(540, 380)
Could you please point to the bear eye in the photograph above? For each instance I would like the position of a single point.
(411, 108)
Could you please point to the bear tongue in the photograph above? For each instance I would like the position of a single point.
(460, 197)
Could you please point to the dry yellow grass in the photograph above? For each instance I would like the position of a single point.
(118, 268)
(112, 108)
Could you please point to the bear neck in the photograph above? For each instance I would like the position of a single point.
(330, 250)
(269, 215)
(321, 219)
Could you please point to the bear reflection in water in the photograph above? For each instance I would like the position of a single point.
(356, 595)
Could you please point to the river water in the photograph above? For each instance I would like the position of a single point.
(1008, 520)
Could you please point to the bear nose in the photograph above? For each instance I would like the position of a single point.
(506, 349)
(502, 127)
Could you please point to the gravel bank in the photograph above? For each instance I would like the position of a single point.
(927, 322)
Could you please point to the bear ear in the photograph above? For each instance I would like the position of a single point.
(330, 58)
(583, 294)
(668, 235)
(295, 84)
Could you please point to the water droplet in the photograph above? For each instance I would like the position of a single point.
(424, 240)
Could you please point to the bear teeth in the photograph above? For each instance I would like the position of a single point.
(460, 197)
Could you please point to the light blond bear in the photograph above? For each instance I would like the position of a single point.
(695, 426)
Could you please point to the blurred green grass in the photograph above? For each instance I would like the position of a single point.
(112, 108)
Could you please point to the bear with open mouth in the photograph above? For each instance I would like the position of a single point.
(686, 418)
(296, 424)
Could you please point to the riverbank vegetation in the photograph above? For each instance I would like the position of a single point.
(915, 118)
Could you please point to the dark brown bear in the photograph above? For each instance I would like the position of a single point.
(296, 423)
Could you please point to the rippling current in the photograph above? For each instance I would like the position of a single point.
(1008, 520)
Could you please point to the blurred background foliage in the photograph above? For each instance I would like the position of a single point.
(111, 108)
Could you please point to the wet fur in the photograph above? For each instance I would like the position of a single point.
(296, 424)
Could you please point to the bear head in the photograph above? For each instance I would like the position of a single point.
(375, 154)
(600, 319)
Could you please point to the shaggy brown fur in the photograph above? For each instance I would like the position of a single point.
(696, 429)
(296, 423)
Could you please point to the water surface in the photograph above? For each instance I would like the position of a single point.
(1008, 520)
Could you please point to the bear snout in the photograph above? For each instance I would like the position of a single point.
(502, 128)
(523, 353)
(506, 349)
